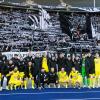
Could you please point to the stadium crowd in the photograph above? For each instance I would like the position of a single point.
(51, 70)
(18, 31)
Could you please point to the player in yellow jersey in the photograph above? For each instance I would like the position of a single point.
(75, 78)
(97, 69)
(92, 81)
(62, 78)
(0, 76)
(79, 80)
(15, 79)
(0, 81)
(45, 63)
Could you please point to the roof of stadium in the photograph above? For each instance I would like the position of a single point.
(74, 3)
(54, 5)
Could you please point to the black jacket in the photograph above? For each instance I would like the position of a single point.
(42, 77)
(61, 63)
(52, 77)
(28, 59)
(37, 65)
(28, 71)
(69, 65)
(90, 66)
(53, 64)
(77, 65)
(6, 69)
(16, 62)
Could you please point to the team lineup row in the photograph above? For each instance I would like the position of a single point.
(50, 71)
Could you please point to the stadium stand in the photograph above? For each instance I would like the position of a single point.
(20, 31)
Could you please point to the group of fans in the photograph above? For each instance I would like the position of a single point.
(57, 70)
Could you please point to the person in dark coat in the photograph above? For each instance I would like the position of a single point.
(61, 61)
(29, 74)
(37, 64)
(29, 58)
(77, 64)
(90, 66)
(3, 58)
(53, 64)
(69, 64)
(3, 61)
(21, 66)
(42, 79)
(49, 60)
(5, 70)
(16, 61)
(52, 77)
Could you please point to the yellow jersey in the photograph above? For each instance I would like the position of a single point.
(62, 76)
(97, 64)
(44, 64)
(73, 74)
(14, 77)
